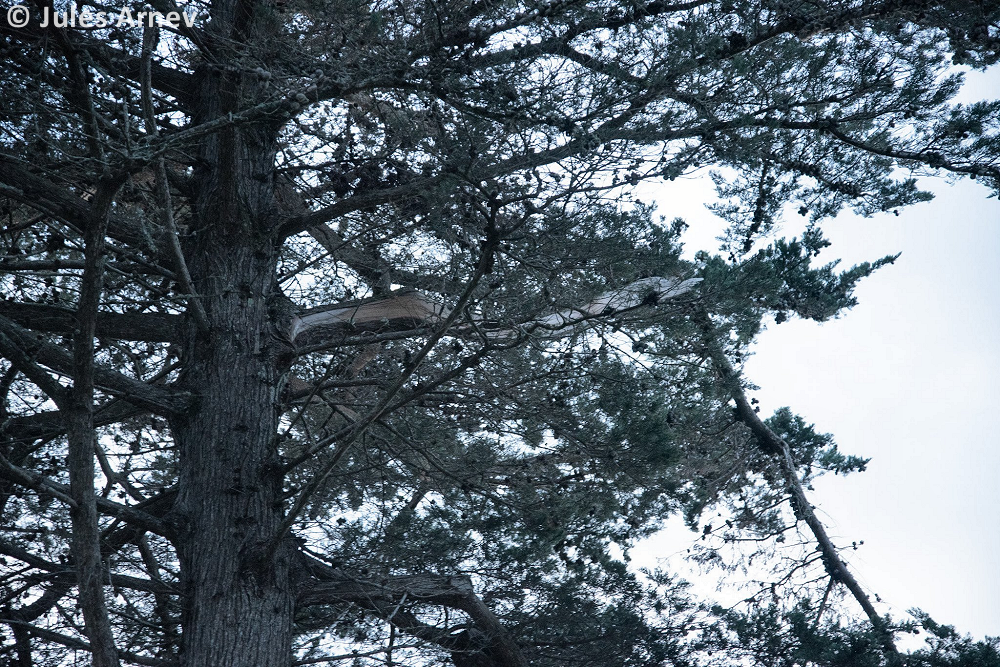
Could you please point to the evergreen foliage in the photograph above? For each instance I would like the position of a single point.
(333, 331)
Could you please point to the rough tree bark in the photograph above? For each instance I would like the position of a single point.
(238, 600)
(82, 438)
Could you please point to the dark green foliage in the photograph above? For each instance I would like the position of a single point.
(811, 449)
(799, 636)
(539, 403)
(780, 280)
(948, 648)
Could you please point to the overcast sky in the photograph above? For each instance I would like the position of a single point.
(910, 378)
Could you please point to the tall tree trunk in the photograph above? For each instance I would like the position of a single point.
(238, 600)
(82, 439)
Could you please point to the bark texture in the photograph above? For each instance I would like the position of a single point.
(82, 437)
(238, 600)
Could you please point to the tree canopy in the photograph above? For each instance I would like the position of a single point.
(333, 331)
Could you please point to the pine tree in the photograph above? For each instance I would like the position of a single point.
(334, 329)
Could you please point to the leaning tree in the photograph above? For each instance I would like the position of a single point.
(331, 330)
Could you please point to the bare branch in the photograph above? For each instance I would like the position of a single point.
(771, 443)
(18, 182)
(42, 484)
(80, 645)
(169, 80)
(150, 38)
(51, 423)
(387, 598)
(149, 327)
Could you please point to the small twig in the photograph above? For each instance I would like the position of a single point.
(826, 596)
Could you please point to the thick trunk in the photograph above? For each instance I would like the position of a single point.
(238, 599)
(238, 604)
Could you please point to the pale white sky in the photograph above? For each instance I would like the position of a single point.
(910, 378)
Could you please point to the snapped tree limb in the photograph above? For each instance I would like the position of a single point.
(409, 309)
